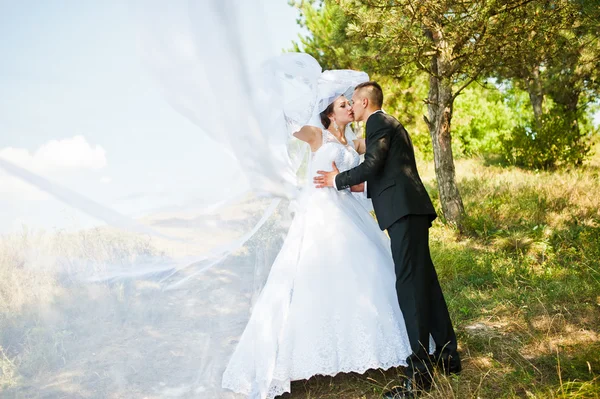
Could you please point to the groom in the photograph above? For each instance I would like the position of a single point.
(403, 207)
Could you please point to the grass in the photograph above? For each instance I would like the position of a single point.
(522, 285)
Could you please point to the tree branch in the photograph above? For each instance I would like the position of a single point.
(467, 83)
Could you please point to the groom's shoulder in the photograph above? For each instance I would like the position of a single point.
(389, 118)
(377, 117)
(381, 118)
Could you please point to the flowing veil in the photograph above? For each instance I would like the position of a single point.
(151, 303)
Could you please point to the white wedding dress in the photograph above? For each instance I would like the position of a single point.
(329, 304)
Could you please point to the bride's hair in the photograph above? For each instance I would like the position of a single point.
(325, 116)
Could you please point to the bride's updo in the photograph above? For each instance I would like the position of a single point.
(325, 116)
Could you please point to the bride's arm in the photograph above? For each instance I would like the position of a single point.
(360, 146)
(311, 135)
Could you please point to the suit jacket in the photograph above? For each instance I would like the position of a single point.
(390, 171)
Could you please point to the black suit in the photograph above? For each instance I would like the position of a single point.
(403, 207)
(390, 171)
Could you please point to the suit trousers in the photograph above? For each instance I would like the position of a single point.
(419, 293)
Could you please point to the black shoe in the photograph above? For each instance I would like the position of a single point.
(447, 363)
(410, 387)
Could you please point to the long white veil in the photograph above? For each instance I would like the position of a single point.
(151, 303)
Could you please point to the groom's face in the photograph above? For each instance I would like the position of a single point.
(358, 106)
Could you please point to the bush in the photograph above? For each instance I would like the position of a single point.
(481, 116)
(559, 141)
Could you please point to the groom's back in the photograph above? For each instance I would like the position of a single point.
(397, 190)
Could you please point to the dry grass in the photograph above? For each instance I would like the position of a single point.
(522, 285)
(37, 272)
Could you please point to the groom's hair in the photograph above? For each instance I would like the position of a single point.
(372, 91)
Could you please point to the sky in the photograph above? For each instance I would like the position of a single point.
(79, 107)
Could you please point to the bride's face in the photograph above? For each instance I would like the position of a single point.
(342, 112)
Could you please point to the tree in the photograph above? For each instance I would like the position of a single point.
(560, 57)
(330, 47)
(327, 25)
(572, 78)
(454, 42)
(558, 66)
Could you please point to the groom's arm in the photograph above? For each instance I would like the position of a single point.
(375, 156)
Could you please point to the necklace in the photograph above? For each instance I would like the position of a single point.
(341, 139)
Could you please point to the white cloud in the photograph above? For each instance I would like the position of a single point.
(53, 159)
(58, 155)
(105, 179)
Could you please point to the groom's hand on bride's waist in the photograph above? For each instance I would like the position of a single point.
(326, 179)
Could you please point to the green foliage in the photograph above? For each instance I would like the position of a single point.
(559, 61)
(327, 41)
(404, 99)
(558, 142)
(482, 116)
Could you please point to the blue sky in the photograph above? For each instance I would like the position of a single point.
(76, 103)
(71, 67)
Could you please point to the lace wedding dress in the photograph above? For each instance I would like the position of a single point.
(329, 304)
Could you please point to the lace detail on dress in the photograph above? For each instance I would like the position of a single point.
(344, 156)
(346, 344)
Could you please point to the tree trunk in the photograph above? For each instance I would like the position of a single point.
(536, 95)
(440, 114)
(568, 99)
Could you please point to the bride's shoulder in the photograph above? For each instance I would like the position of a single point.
(312, 129)
(311, 135)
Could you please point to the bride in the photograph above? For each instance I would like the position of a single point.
(329, 304)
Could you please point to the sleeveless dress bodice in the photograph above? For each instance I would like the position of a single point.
(331, 150)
